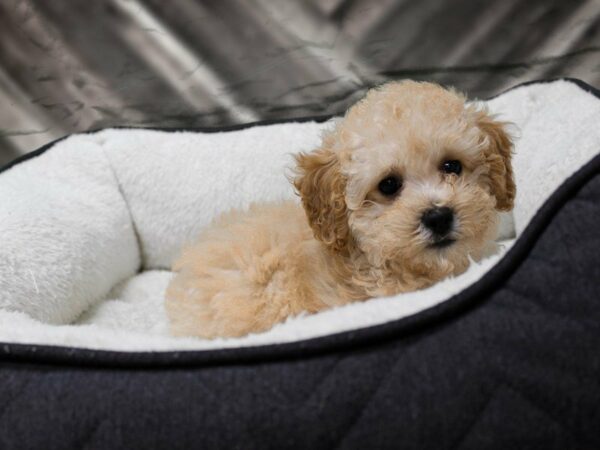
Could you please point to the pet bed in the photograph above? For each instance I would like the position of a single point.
(506, 355)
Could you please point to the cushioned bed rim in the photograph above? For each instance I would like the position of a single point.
(472, 297)
(318, 118)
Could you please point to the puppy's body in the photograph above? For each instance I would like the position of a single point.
(252, 269)
(402, 193)
(248, 271)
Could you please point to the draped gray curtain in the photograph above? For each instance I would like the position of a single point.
(75, 65)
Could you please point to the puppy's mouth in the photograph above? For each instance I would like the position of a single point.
(442, 243)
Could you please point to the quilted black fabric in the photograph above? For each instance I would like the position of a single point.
(512, 362)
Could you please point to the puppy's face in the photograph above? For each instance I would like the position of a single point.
(411, 177)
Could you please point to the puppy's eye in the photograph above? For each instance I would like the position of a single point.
(390, 185)
(452, 166)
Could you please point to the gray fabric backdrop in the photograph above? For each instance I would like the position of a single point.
(75, 65)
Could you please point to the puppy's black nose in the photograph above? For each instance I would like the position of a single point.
(438, 220)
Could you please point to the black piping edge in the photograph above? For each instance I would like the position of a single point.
(32, 154)
(319, 118)
(236, 127)
(580, 83)
(352, 340)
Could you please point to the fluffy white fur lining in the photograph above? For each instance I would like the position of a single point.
(78, 222)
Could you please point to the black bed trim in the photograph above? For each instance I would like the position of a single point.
(320, 118)
(360, 339)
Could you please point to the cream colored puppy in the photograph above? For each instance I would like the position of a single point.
(399, 195)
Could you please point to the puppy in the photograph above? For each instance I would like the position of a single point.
(402, 193)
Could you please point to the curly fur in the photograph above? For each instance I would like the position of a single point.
(321, 189)
(347, 242)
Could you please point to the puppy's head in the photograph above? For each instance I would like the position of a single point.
(412, 177)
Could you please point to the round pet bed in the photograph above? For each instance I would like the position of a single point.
(506, 355)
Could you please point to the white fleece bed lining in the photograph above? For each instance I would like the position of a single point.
(110, 202)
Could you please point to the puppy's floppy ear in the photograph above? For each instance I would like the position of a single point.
(321, 186)
(498, 153)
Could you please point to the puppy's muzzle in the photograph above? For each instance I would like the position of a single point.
(439, 221)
